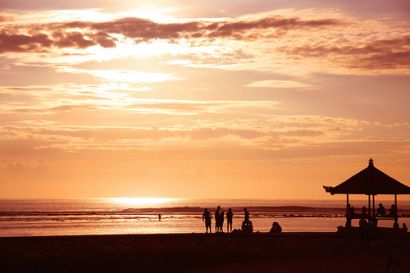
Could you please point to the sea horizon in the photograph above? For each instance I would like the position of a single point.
(44, 217)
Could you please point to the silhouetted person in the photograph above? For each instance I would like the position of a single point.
(159, 217)
(393, 211)
(221, 221)
(247, 226)
(276, 228)
(363, 227)
(217, 222)
(229, 218)
(404, 227)
(363, 223)
(381, 211)
(364, 211)
(246, 215)
(352, 213)
(206, 217)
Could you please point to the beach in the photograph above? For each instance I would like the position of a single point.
(260, 252)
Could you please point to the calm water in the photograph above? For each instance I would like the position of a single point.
(107, 216)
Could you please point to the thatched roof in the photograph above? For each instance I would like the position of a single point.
(369, 181)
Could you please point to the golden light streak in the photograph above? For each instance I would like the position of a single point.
(142, 201)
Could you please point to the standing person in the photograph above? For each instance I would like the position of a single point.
(246, 215)
(229, 217)
(221, 221)
(206, 217)
(218, 209)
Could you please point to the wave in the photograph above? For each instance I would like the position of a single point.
(172, 212)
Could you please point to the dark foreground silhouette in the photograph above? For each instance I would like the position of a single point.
(257, 253)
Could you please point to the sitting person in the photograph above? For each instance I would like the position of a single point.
(362, 223)
(247, 227)
(364, 211)
(393, 211)
(381, 211)
(275, 228)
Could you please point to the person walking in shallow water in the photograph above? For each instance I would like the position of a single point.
(206, 217)
(229, 217)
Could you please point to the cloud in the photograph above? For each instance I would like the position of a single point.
(81, 34)
(278, 84)
(144, 30)
(241, 29)
(41, 42)
(376, 54)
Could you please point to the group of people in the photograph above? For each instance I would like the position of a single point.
(247, 226)
(380, 211)
(372, 221)
(219, 220)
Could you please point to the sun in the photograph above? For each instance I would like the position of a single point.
(143, 201)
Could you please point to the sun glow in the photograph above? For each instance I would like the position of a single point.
(143, 201)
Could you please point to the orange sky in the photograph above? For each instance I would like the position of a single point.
(223, 99)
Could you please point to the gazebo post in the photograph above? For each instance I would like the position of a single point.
(373, 209)
(348, 211)
(396, 219)
(369, 210)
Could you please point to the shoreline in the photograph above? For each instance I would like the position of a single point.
(196, 252)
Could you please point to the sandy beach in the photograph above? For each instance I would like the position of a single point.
(286, 252)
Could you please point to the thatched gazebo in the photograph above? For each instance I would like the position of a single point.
(371, 182)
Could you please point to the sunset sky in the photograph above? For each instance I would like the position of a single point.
(201, 99)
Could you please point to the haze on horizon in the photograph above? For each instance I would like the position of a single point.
(217, 99)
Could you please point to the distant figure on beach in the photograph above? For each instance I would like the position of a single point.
(247, 226)
(221, 220)
(404, 227)
(381, 211)
(206, 217)
(276, 228)
(393, 210)
(217, 222)
(229, 218)
(246, 215)
(159, 217)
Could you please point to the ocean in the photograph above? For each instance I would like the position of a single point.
(141, 215)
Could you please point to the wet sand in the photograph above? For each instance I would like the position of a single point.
(201, 253)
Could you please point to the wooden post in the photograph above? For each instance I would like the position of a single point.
(396, 219)
(369, 209)
(348, 213)
(374, 209)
